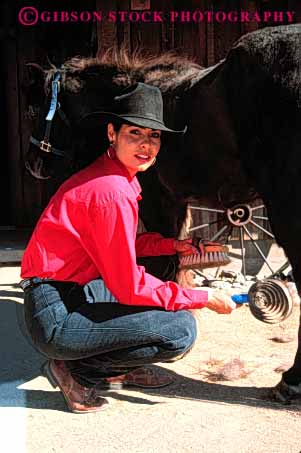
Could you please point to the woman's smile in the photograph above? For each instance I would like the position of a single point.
(143, 157)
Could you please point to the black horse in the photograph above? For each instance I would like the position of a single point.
(243, 138)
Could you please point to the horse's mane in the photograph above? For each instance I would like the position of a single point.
(168, 71)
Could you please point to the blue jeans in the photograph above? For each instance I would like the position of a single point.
(98, 337)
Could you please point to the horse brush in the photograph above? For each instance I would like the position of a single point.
(211, 254)
(269, 301)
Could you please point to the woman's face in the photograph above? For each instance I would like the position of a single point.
(136, 147)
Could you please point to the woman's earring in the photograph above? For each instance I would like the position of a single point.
(111, 153)
(154, 161)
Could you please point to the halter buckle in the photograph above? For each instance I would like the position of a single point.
(45, 146)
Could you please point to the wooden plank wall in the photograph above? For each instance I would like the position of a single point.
(203, 42)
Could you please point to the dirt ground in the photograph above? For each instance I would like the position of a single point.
(216, 404)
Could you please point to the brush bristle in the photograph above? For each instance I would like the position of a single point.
(215, 255)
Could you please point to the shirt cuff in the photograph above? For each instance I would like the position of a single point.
(198, 297)
(167, 246)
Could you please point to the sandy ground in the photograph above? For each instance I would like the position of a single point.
(216, 404)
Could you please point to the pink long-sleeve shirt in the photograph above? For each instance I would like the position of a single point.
(89, 230)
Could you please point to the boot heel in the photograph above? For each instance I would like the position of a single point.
(46, 371)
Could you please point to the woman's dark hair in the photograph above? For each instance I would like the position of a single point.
(117, 125)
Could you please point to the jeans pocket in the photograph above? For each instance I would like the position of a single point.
(97, 292)
(39, 318)
(43, 326)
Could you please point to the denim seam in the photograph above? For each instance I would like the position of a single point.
(48, 307)
(116, 329)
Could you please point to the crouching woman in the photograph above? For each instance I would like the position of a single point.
(99, 317)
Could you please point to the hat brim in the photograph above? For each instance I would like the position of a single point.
(93, 119)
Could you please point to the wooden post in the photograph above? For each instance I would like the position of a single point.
(124, 29)
(106, 31)
(210, 39)
(200, 41)
(250, 6)
(168, 28)
(12, 110)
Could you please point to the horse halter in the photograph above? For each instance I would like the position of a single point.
(44, 145)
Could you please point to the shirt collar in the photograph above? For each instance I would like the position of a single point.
(115, 165)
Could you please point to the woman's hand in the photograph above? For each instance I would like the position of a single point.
(220, 301)
(185, 247)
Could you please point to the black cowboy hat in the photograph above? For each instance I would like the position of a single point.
(141, 105)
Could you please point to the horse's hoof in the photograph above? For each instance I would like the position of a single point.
(284, 393)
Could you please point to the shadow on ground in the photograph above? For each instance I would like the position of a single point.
(20, 363)
(19, 360)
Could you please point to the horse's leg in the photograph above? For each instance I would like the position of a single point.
(293, 375)
(287, 228)
(290, 385)
(274, 166)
